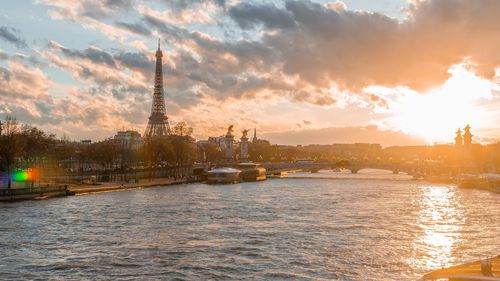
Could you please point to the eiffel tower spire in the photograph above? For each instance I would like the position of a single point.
(158, 121)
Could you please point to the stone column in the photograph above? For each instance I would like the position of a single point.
(228, 153)
(244, 149)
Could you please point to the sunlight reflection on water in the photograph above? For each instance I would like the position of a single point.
(441, 220)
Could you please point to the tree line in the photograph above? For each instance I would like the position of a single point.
(24, 147)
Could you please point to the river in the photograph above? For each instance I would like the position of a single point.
(308, 229)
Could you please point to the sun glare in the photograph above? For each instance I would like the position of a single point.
(436, 115)
(441, 220)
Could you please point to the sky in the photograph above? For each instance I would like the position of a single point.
(394, 72)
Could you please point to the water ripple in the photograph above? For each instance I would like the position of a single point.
(306, 229)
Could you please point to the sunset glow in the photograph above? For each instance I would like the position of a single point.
(289, 68)
(434, 115)
(349, 140)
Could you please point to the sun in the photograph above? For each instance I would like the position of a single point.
(436, 115)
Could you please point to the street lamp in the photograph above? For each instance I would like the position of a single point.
(79, 155)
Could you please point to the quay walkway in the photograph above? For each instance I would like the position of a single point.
(46, 191)
(81, 189)
(34, 193)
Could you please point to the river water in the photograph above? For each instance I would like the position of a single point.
(307, 229)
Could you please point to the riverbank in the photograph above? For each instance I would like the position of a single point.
(47, 191)
(82, 189)
(62, 190)
(349, 178)
(489, 182)
(33, 193)
(484, 182)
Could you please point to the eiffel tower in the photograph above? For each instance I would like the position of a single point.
(158, 121)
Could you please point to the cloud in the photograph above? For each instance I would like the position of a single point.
(248, 16)
(356, 49)
(379, 101)
(93, 14)
(119, 4)
(3, 56)
(459, 28)
(9, 34)
(229, 70)
(118, 78)
(18, 82)
(137, 28)
(200, 64)
(307, 51)
(187, 4)
(183, 12)
(99, 66)
(361, 134)
(24, 93)
(135, 61)
(221, 53)
(92, 53)
(337, 6)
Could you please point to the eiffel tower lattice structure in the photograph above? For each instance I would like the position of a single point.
(158, 121)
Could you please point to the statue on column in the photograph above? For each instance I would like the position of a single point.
(228, 153)
(230, 130)
(244, 146)
(467, 136)
(458, 138)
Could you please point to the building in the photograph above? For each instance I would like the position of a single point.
(129, 139)
(219, 141)
(86, 142)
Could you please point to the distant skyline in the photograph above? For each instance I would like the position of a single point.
(391, 72)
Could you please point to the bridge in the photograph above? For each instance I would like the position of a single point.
(420, 169)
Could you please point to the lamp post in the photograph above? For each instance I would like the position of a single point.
(80, 169)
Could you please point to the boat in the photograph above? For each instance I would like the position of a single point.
(483, 181)
(485, 269)
(223, 175)
(280, 174)
(251, 171)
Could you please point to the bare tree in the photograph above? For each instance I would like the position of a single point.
(183, 144)
(182, 129)
(11, 146)
(157, 150)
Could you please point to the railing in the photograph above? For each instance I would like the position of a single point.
(34, 190)
(120, 175)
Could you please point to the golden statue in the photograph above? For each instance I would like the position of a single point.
(245, 133)
(230, 130)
